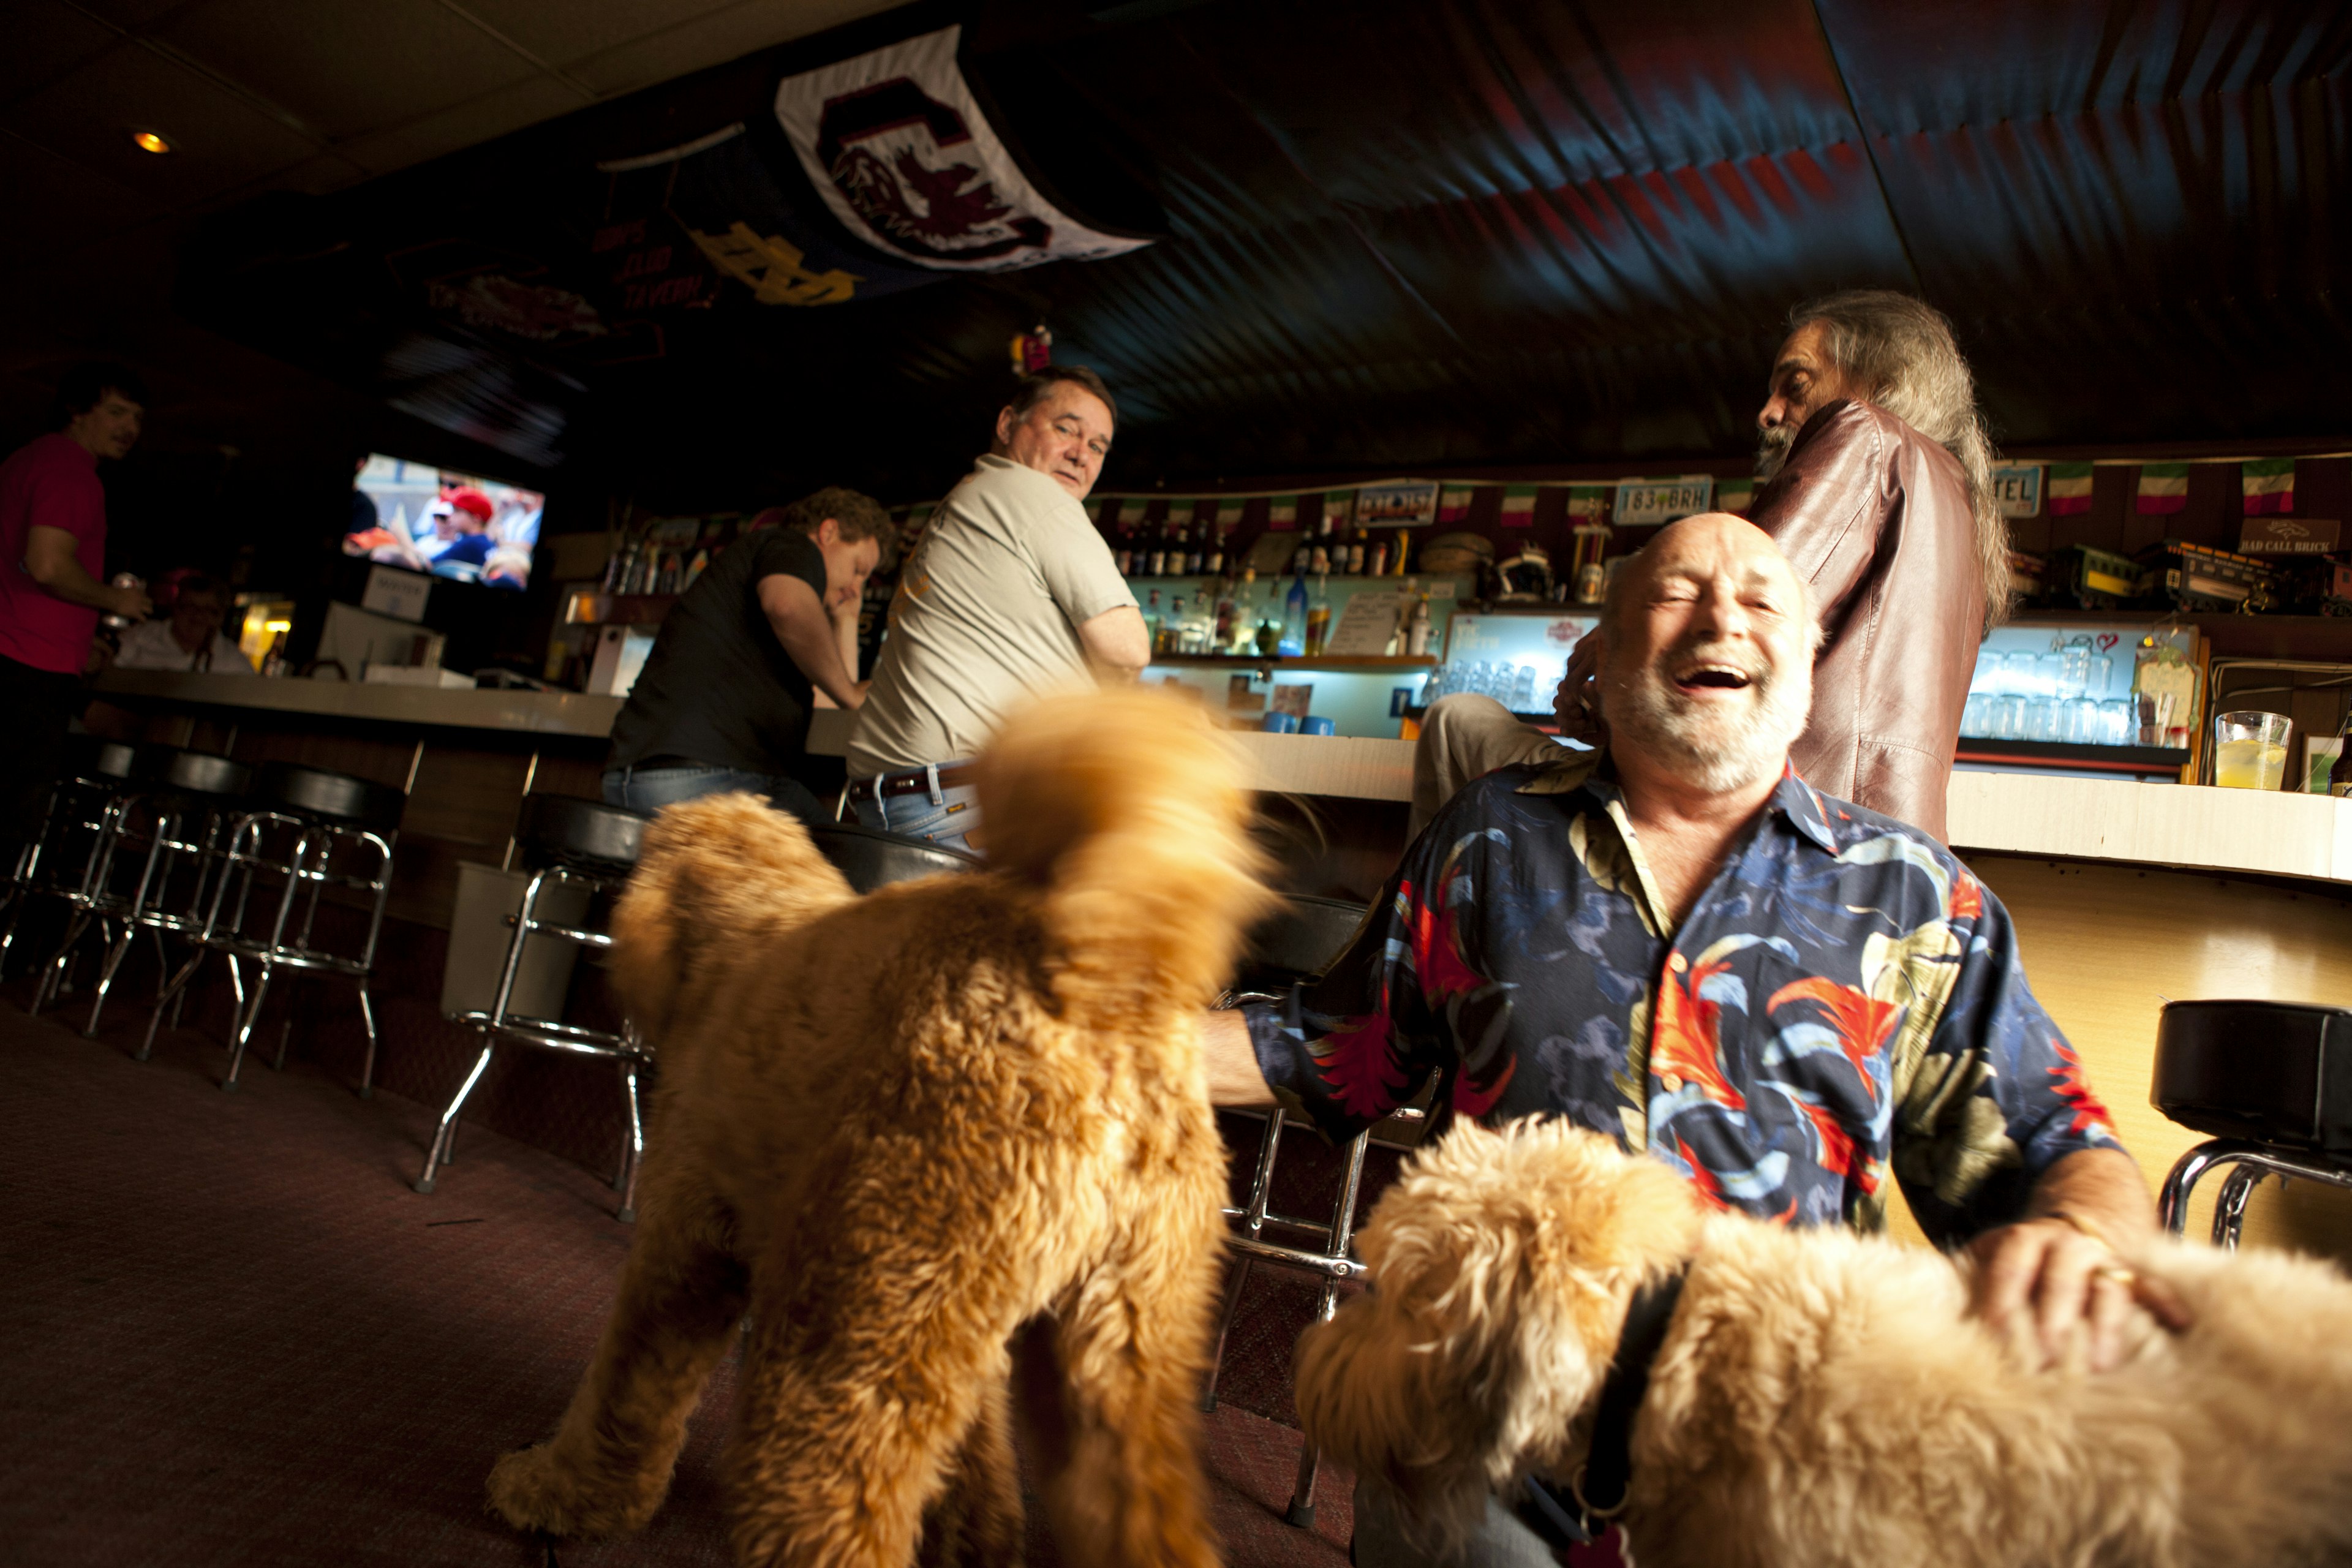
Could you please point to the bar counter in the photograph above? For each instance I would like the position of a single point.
(2125, 894)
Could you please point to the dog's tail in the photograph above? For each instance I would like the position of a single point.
(712, 874)
(1133, 815)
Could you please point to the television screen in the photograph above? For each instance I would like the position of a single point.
(453, 525)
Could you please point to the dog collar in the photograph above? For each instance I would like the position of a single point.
(1597, 1493)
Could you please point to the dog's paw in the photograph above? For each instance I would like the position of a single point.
(532, 1490)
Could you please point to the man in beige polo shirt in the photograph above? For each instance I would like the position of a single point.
(1011, 595)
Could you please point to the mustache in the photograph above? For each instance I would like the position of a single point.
(1772, 450)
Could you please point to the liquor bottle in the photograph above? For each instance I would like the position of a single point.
(1377, 566)
(1293, 641)
(1158, 563)
(1170, 628)
(1221, 631)
(1320, 561)
(1151, 621)
(1269, 624)
(1416, 637)
(1319, 618)
(1355, 555)
(1215, 565)
(1126, 563)
(2339, 774)
(1195, 557)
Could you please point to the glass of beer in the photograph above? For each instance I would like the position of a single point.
(2250, 750)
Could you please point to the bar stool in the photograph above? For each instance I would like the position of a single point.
(2273, 1080)
(304, 830)
(569, 844)
(1297, 942)
(871, 859)
(82, 801)
(182, 811)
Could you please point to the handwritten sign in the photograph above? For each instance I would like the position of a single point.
(1366, 624)
(2017, 488)
(1643, 503)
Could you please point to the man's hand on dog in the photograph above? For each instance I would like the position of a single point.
(2054, 1280)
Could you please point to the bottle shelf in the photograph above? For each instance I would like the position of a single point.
(1277, 661)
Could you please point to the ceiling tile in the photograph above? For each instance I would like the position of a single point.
(72, 201)
(716, 39)
(348, 71)
(46, 40)
(222, 142)
(575, 30)
(526, 102)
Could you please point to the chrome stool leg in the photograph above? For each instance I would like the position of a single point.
(633, 1152)
(448, 1124)
(1301, 1512)
(2230, 1208)
(367, 1018)
(1253, 1220)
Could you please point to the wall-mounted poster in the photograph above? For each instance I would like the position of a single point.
(2017, 487)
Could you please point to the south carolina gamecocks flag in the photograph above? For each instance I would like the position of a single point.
(895, 144)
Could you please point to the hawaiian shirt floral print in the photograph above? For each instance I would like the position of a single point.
(1844, 999)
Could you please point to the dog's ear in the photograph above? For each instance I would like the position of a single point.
(1501, 1265)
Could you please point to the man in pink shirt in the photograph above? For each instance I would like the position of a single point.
(53, 583)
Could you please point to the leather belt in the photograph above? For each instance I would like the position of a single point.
(919, 781)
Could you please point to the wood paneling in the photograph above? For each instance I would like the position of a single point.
(2105, 946)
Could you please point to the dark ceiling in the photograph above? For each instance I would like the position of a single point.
(1397, 235)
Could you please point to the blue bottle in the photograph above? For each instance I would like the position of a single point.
(1293, 642)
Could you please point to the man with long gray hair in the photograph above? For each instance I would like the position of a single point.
(1879, 491)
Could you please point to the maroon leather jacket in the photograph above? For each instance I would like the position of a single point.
(1875, 519)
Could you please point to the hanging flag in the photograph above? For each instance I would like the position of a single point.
(1735, 496)
(1282, 514)
(898, 147)
(2163, 487)
(2068, 489)
(1229, 511)
(2017, 488)
(1520, 505)
(1179, 510)
(1453, 504)
(2268, 484)
(1587, 503)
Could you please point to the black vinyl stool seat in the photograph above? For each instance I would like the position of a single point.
(566, 842)
(302, 830)
(871, 859)
(180, 807)
(1301, 939)
(84, 799)
(2272, 1081)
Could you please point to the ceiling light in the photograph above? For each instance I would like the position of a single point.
(150, 142)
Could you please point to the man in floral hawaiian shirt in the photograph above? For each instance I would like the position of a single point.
(1678, 941)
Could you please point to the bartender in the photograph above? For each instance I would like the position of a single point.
(53, 581)
(190, 638)
(723, 701)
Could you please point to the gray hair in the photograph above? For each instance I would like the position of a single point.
(1901, 355)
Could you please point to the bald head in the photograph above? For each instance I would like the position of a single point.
(1706, 652)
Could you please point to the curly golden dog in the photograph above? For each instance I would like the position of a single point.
(1820, 1398)
(895, 1128)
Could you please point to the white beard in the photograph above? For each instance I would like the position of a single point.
(1715, 752)
(1772, 452)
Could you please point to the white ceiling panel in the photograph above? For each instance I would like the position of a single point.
(222, 141)
(722, 35)
(45, 40)
(349, 69)
(460, 126)
(562, 34)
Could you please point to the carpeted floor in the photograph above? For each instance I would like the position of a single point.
(231, 1334)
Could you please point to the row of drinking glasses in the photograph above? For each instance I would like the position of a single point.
(2065, 673)
(1512, 684)
(2079, 721)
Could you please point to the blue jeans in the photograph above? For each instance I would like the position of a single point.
(650, 789)
(948, 817)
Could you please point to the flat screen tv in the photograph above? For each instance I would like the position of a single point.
(454, 525)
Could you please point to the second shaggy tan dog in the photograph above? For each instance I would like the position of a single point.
(1820, 1399)
(894, 1129)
